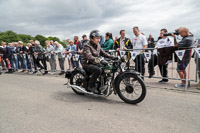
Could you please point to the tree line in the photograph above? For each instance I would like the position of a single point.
(10, 36)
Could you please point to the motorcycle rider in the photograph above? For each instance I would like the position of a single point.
(91, 59)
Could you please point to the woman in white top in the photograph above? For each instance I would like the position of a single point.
(165, 41)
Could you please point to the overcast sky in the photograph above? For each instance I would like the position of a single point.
(66, 18)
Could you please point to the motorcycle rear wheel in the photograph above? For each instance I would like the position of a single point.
(77, 79)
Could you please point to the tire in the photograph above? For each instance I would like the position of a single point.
(72, 82)
(128, 89)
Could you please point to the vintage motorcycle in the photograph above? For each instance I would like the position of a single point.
(113, 79)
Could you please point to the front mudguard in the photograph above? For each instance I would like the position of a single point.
(122, 74)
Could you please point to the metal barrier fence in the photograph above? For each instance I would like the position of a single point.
(135, 61)
(134, 58)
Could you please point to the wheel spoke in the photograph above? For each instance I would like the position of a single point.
(136, 86)
(76, 77)
(123, 90)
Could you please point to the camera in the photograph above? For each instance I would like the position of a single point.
(175, 33)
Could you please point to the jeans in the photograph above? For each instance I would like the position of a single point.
(74, 63)
(44, 63)
(14, 62)
(139, 64)
(61, 63)
(24, 61)
(19, 57)
(37, 63)
(197, 60)
(30, 62)
(52, 63)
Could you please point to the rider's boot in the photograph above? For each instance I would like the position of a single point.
(93, 89)
(102, 89)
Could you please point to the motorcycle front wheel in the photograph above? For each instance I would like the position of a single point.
(131, 88)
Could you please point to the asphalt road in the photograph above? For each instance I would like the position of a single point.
(42, 104)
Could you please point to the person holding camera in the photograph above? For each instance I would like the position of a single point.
(185, 43)
(165, 41)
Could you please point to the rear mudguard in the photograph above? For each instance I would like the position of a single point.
(121, 75)
(68, 74)
(80, 70)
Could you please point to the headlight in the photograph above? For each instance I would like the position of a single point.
(123, 65)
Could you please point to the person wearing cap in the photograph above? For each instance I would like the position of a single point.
(39, 57)
(23, 52)
(59, 50)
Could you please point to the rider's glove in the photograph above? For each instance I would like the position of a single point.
(101, 61)
(98, 59)
(104, 62)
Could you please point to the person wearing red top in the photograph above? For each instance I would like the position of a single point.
(78, 46)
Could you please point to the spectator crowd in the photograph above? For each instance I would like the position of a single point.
(33, 58)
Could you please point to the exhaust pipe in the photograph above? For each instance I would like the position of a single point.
(84, 91)
(79, 88)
